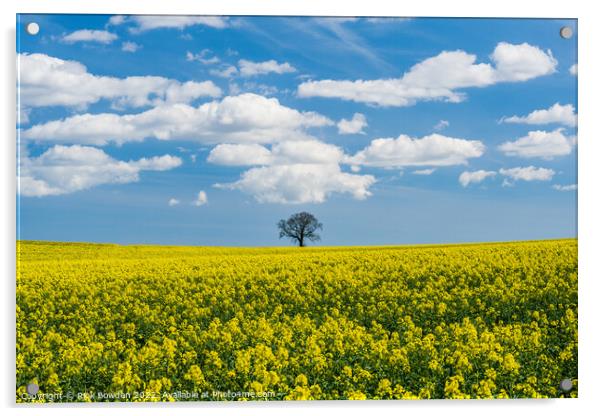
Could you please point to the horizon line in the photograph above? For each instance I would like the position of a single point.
(294, 246)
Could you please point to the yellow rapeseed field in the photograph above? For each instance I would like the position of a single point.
(102, 322)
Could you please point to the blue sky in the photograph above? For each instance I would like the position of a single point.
(208, 130)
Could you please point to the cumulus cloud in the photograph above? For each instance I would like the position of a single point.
(354, 126)
(240, 155)
(383, 92)
(440, 77)
(433, 150)
(478, 176)
(86, 35)
(130, 47)
(145, 23)
(173, 202)
(201, 199)
(283, 153)
(521, 62)
(308, 171)
(160, 163)
(307, 152)
(565, 188)
(50, 81)
(573, 69)
(300, 183)
(246, 118)
(529, 173)
(250, 68)
(557, 113)
(66, 169)
(542, 144)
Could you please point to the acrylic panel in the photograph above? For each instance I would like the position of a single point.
(295, 208)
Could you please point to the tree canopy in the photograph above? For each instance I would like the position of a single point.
(300, 227)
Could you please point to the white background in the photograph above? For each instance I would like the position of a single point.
(590, 152)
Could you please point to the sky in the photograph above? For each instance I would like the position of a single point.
(206, 130)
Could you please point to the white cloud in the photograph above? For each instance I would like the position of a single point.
(144, 23)
(247, 118)
(117, 20)
(291, 172)
(424, 172)
(439, 77)
(49, 81)
(296, 172)
(201, 199)
(521, 62)
(442, 124)
(130, 47)
(203, 57)
(447, 71)
(543, 144)
(478, 176)
(66, 169)
(573, 69)
(86, 35)
(240, 155)
(565, 188)
(209, 61)
(308, 171)
(300, 183)
(226, 71)
(249, 68)
(160, 163)
(385, 92)
(306, 152)
(354, 126)
(173, 202)
(283, 153)
(433, 150)
(530, 173)
(561, 114)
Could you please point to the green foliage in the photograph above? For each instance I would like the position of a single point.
(464, 321)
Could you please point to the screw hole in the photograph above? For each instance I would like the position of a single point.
(32, 28)
(566, 32)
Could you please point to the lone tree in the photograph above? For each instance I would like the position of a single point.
(300, 227)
